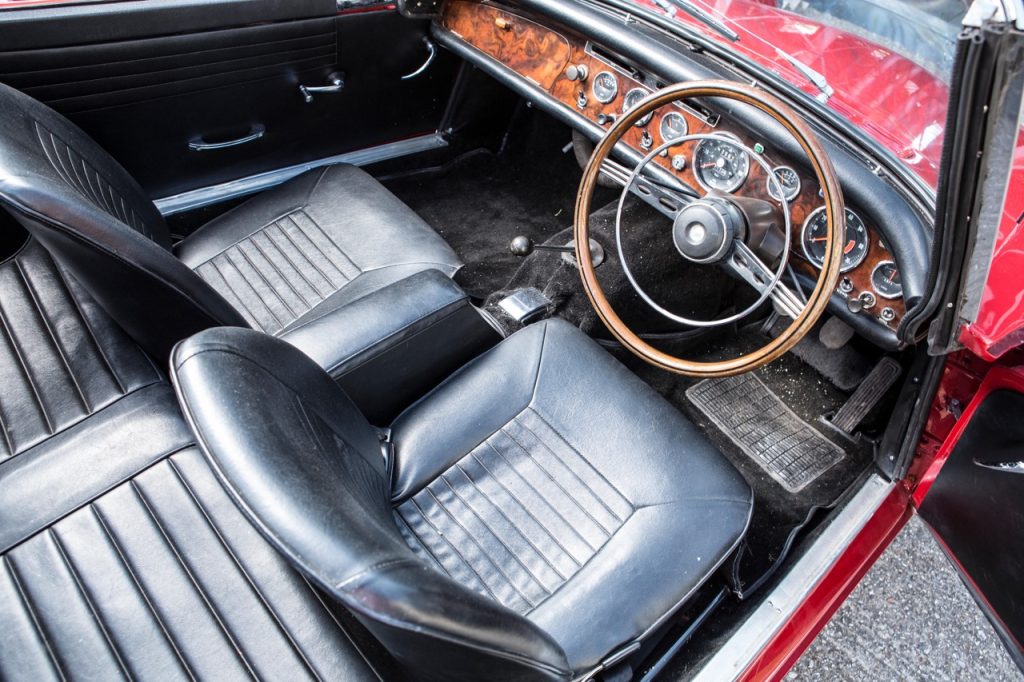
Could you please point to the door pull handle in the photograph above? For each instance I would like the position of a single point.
(199, 145)
(431, 53)
(336, 83)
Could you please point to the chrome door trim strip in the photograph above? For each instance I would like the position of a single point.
(778, 606)
(205, 196)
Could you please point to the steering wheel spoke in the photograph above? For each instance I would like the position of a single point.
(667, 200)
(747, 266)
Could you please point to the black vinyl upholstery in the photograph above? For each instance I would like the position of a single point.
(120, 553)
(541, 510)
(320, 241)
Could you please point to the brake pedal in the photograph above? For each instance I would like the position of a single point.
(875, 385)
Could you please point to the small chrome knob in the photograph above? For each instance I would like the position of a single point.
(576, 72)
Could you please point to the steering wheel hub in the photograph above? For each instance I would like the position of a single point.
(704, 229)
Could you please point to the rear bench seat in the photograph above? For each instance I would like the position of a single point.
(121, 554)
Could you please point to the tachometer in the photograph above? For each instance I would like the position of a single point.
(605, 87)
(814, 239)
(885, 279)
(632, 98)
(789, 180)
(673, 126)
(720, 164)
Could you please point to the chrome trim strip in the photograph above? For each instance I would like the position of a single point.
(778, 606)
(205, 196)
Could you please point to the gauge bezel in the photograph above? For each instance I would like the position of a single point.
(615, 89)
(796, 192)
(842, 268)
(626, 107)
(888, 297)
(696, 168)
(661, 124)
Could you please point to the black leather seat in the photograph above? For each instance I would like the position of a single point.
(120, 554)
(535, 516)
(318, 242)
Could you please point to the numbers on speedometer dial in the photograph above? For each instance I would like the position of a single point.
(720, 164)
(814, 239)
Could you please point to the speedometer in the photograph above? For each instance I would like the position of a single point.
(720, 164)
(814, 239)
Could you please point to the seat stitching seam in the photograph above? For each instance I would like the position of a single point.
(241, 569)
(24, 368)
(32, 614)
(551, 477)
(138, 585)
(526, 509)
(263, 278)
(572, 473)
(412, 534)
(280, 273)
(604, 478)
(497, 537)
(88, 601)
(53, 336)
(259, 297)
(329, 238)
(288, 238)
(181, 562)
(302, 230)
(512, 523)
(475, 541)
(92, 334)
(541, 496)
(455, 549)
(284, 254)
(231, 289)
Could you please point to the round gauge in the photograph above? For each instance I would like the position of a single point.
(633, 98)
(815, 236)
(673, 126)
(720, 164)
(789, 180)
(885, 279)
(605, 87)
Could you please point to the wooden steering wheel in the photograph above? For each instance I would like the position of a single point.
(741, 234)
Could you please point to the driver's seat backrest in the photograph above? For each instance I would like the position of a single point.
(312, 474)
(97, 221)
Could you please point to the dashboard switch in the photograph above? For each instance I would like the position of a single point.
(867, 299)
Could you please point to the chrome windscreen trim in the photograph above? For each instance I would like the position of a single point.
(778, 606)
(205, 196)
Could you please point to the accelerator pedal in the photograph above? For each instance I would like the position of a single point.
(874, 387)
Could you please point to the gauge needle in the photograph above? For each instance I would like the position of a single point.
(708, 165)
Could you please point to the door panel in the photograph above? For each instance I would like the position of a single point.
(975, 501)
(212, 75)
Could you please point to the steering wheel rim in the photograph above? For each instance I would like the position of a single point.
(834, 212)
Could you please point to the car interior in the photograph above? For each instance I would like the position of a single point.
(344, 341)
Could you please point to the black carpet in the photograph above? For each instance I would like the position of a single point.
(479, 202)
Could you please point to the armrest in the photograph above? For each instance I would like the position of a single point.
(390, 347)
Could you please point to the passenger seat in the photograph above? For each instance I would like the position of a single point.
(120, 553)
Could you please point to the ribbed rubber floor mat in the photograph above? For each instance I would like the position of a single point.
(757, 421)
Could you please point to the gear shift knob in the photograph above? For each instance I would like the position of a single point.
(521, 246)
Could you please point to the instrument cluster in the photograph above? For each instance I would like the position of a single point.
(870, 280)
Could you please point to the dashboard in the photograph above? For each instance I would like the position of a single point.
(592, 83)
